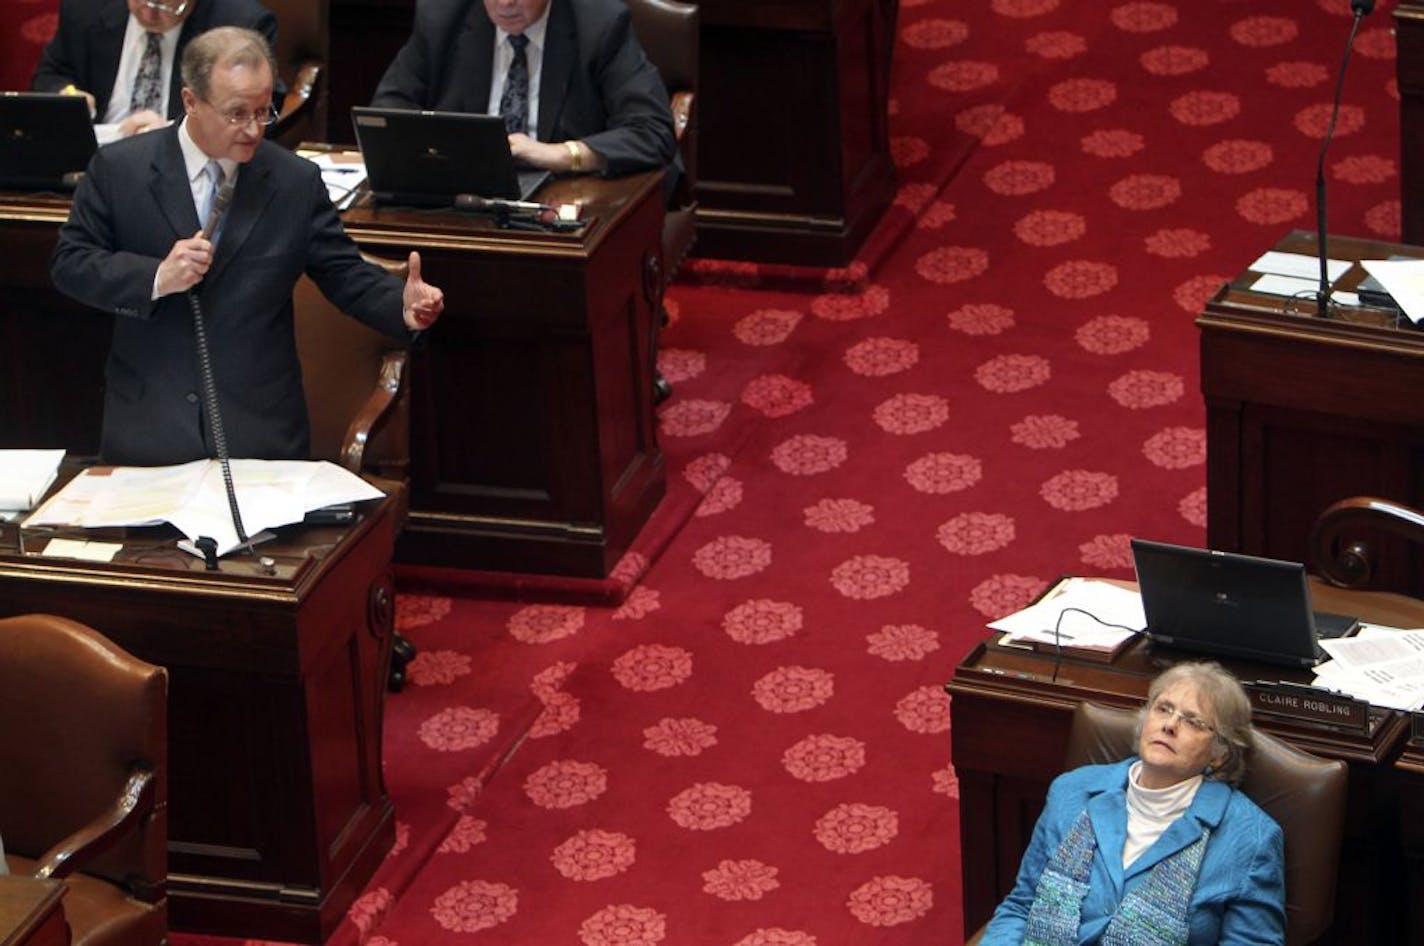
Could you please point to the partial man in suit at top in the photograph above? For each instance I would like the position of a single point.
(133, 247)
(592, 101)
(123, 55)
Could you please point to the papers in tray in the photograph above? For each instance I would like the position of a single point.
(1093, 620)
(1383, 665)
(343, 173)
(192, 497)
(25, 475)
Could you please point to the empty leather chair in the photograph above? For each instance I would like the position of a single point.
(83, 797)
(302, 53)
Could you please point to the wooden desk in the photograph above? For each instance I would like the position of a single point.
(1010, 719)
(534, 447)
(809, 82)
(31, 912)
(533, 442)
(278, 811)
(1303, 411)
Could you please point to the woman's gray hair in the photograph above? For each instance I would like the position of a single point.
(1230, 710)
(228, 45)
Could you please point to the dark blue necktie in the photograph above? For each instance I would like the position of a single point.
(514, 102)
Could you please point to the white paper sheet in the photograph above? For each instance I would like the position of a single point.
(1402, 279)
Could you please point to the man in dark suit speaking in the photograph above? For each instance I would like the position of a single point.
(123, 55)
(576, 91)
(133, 246)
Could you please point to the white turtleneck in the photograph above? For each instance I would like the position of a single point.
(1151, 810)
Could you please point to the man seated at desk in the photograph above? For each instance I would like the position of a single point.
(123, 55)
(576, 90)
(133, 246)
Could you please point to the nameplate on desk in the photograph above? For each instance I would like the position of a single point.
(1309, 705)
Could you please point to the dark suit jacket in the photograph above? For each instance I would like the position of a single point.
(86, 47)
(597, 85)
(132, 205)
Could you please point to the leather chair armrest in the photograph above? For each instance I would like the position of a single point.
(682, 105)
(1344, 559)
(388, 383)
(135, 802)
(298, 98)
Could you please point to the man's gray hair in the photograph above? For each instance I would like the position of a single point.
(227, 46)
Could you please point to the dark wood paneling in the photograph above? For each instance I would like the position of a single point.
(1303, 411)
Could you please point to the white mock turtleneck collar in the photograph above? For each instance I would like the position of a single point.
(1151, 810)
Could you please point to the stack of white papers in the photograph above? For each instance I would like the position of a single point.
(1080, 612)
(1383, 665)
(193, 498)
(25, 475)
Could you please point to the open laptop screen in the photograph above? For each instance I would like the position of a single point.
(423, 158)
(46, 140)
(1231, 605)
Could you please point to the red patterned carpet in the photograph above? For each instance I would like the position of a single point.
(753, 748)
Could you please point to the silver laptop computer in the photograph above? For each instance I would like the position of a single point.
(46, 140)
(1231, 605)
(425, 159)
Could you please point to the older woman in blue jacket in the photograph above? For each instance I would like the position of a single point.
(1160, 848)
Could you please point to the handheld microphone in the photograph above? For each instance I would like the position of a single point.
(220, 201)
(498, 204)
(1322, 296)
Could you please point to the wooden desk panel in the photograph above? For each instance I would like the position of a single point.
(809, 81)
(31, 912)
(278, 811)
(1304, 411)
(1010, 716)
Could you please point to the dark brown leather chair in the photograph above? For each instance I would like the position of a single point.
(354, 379)
(83, 798)
(359, 404)
(1304, 793)
(303, 51)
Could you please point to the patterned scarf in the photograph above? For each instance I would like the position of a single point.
(1155, 913)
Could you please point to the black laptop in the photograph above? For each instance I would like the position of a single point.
(46, 140)
(1232, 605)
(424, 159)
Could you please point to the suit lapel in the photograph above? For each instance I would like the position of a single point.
(249, 200)
(473, 63)
(106, 44)
(557, 69)
(169, 185)
(1107, 812)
